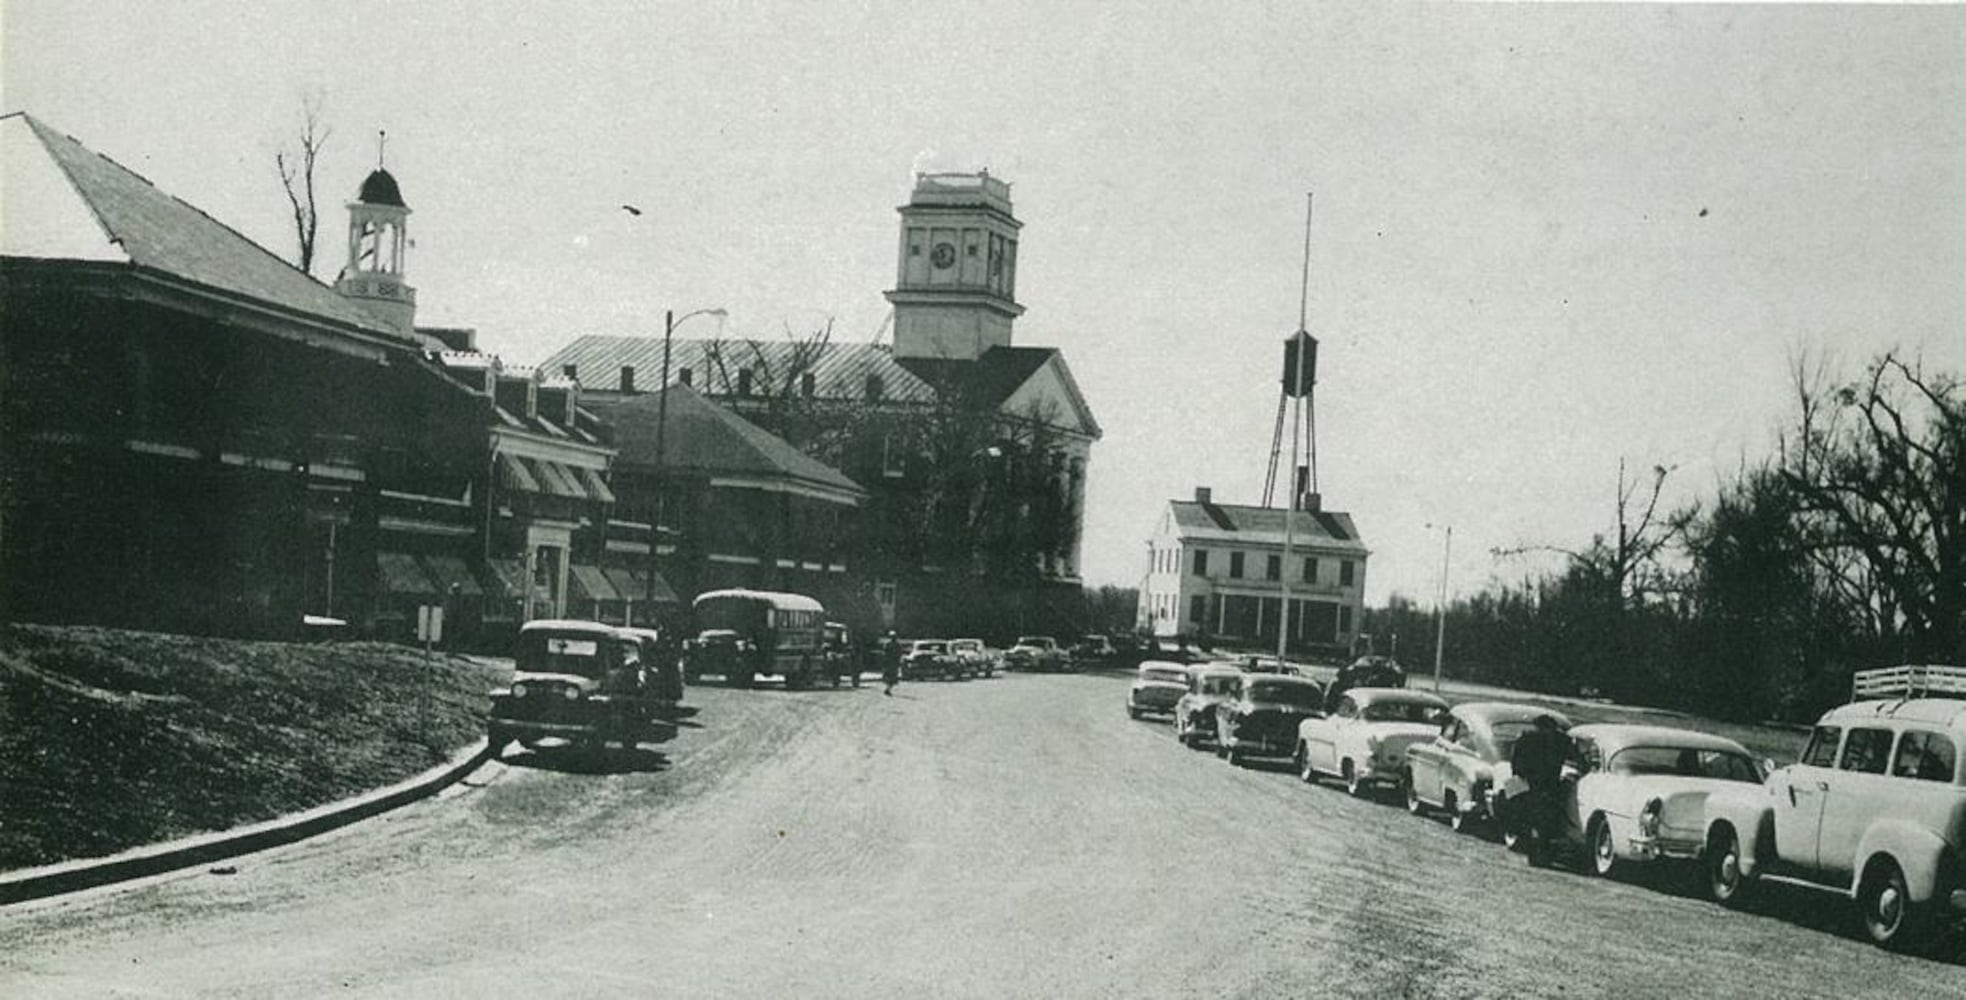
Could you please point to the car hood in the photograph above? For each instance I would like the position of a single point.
(1279, 708)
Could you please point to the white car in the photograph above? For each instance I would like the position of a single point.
(972, 659)
(1363, 740)
(1874, 810)
(1641, 791)
(1464, 771)
(1157, 688)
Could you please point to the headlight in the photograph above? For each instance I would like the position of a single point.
(1648, 818)
(519, 690)
(572, 693)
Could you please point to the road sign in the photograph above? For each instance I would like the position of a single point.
(430, 623)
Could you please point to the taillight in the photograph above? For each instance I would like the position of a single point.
(1648, 818)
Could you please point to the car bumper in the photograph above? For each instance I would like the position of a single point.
(1656, 848)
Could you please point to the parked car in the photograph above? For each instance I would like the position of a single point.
(1194, 714)
(1464, 770)
(1875, 810)
(1366, 671)
(928, 658)
(1262, 719)
(1363, 739)
(972, 658)
(587, 684)
(1641, 791)
(1036, 652)
(1157, 687)
(841, 656)
(1093, 650)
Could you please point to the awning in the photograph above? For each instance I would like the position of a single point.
(511, 574)
(514, 474)
(558, 480)
(596, 486)
(402, 575)
(450, 570)
(590, 583)
(640, 585)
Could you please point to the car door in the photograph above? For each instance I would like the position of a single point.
(1427, 761)
(1851, 798)
(1321, 745)
(1797, 792)
(1460, 759)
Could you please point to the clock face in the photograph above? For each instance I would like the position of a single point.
(944, 255)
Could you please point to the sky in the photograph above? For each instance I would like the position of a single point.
(1545, 238)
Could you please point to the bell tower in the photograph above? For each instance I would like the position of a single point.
(955, 293)
(378, 231)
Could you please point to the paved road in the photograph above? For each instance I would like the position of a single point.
(1014, 837)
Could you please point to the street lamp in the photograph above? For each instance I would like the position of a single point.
(670, 321)
(1440, 608)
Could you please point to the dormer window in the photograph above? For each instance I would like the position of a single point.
(808, 385)
(685, 376)
(874, 387)
(744, 381)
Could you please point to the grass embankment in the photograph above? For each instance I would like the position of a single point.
(112, 739)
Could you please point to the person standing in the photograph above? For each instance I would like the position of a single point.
(890, 662)
(1538, 759)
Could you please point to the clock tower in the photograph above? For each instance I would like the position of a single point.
(956, 290)
(378, 229)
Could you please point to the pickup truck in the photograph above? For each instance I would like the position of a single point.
(1875, 810)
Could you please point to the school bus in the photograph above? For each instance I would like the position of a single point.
(743, 634)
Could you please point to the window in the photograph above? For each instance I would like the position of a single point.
(1344, 618)
(1866, 751)
(744, 381)
(1197, 607)
(807, 384)
(1273, 568)
(892, 461)
(1201, 562)
(1821, 751)
(1310, 571)
(1924, 757)
(874, 387)
(884, 596)
(1344, 572)
(1235, 565)
(685, 376)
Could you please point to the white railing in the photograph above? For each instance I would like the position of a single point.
(1910, 681)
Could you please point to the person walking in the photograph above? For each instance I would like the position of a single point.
(890, 662)
(1538, 759)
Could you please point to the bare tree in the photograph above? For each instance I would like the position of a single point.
(1629, 564)
(296, 166)
(1879, 467)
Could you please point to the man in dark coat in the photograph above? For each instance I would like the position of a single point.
(890, 662)
(1538, 760)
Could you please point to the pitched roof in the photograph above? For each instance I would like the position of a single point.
(839, 369)
(106, 212)
(706, 438)
(1221, 521)
(988, 380)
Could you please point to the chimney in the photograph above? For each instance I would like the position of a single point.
(1313, 502)
(1204, 494)
(627, 378)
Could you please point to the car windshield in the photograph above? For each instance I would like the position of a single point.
(739, 614)
(547, 653)
(1218, 685)
(1297, 695)
(1034, 640)
(1689, 762)
(1401, 711)
(931, 647)
(1164, 674)
(966, 645)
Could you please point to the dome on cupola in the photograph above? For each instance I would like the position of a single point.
(380, 189)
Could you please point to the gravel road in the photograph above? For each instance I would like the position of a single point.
(1010, 837)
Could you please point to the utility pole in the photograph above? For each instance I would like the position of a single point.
(1440, 609)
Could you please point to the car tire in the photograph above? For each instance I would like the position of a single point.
(1132, 713)
(1305, 772)
(1412, 792)
(1505, 824)
(1603, 848)
(1723, 881)
(1891, 919)
(1237, 757)
(1355, 786)
(1458, 820)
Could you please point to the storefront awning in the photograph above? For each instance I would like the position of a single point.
(511, 575)
(549, 478)
(596, 486)
(401, 574)
(589, 583)
(450, 571)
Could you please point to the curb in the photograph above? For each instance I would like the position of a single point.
(155, 859)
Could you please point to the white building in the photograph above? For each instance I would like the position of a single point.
(1218, 570)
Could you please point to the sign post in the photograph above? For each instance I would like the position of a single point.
(429, 629)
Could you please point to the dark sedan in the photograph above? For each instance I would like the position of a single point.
(1262, 719)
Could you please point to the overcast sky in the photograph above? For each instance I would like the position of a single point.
(1546, 236)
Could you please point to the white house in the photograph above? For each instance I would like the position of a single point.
(1219, 570)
